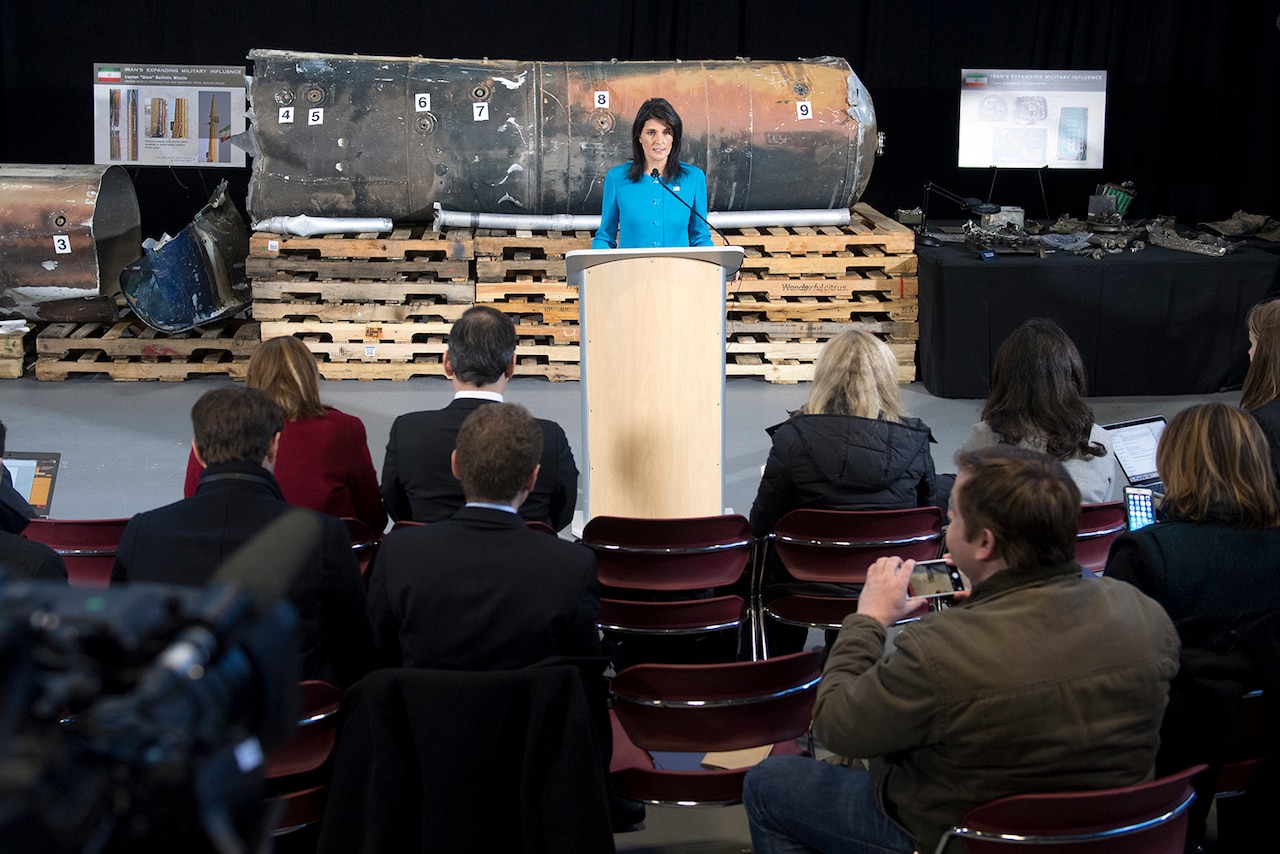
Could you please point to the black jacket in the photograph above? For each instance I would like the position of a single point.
(843, 462)
(418, 483)
(185, 542)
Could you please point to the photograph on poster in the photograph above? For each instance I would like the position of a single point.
(168, 115)
(1033, 119)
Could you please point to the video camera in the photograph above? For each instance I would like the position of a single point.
(137, 718)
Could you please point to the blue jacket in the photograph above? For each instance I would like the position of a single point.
(647, 214)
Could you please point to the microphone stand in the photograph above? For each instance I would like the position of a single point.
(654, 174)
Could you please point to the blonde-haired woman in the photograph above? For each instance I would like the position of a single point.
(852, 445)
(1261, 393)
(324, 461)
(1217, 553)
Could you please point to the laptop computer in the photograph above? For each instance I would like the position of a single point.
(34, 473)
(1135, 446)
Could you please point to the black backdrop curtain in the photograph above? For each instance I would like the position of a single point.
(1193, 102)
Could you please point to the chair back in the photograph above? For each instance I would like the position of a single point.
(837, 546)
(1100, 524)
(1251, 752)
(540, 526)
(87, 546)
(1149, 817)
(669, 554)
(709, 707)
(301, 792)
(676, 561)
(364, 542)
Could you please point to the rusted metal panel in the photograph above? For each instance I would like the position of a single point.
(66, 232)
(394, 135)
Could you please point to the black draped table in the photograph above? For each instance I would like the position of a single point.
(1151, 322)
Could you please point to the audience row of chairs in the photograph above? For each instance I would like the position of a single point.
(832, 548)
(661, 712)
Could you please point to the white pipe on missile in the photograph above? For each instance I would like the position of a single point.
(309, 226)
(585, 222)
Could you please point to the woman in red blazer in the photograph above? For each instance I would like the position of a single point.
(324, 460)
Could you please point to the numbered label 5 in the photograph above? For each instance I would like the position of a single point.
(315, 116)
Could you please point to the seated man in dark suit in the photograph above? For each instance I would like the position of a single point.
(417, 482)
(482, 591)
(237, 432)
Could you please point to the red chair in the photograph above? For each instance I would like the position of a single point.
(694, 708)
(1150, 818)
(405, 523)
(298, 760)
(540, 526)
(675, 559)
(837, 547)
(1100, 524)
(87, 546)
(364, 542)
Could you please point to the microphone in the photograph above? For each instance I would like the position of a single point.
(654, 174)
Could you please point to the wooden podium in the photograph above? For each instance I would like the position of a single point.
(652, 356)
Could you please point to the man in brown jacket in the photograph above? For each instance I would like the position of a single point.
(1041, 681)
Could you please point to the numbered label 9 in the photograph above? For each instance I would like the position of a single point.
(804, 110)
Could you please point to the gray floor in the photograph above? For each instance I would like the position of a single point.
(124, 445)
(124, 450)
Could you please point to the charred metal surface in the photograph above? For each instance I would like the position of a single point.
(389, 136)
(65, 234)
(197, 277)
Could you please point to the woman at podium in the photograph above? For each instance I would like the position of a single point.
(655, 200)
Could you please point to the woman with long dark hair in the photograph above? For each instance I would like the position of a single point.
(639, 210)
(1037, 401)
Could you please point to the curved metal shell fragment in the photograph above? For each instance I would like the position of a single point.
(198, 276)
(65, 234)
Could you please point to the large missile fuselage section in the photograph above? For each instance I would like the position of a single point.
(390, 136)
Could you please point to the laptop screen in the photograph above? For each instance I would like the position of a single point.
(33, 476)
(1135, 445)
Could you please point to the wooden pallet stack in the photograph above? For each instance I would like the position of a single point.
(128, 350)
(15, 351)
(800, 286)
(369, 306)
(376, 306)
(522, 274)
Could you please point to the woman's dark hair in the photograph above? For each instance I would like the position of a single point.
(656, 108)
(1037, 393)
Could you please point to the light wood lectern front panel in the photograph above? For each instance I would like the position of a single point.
(653, 383)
